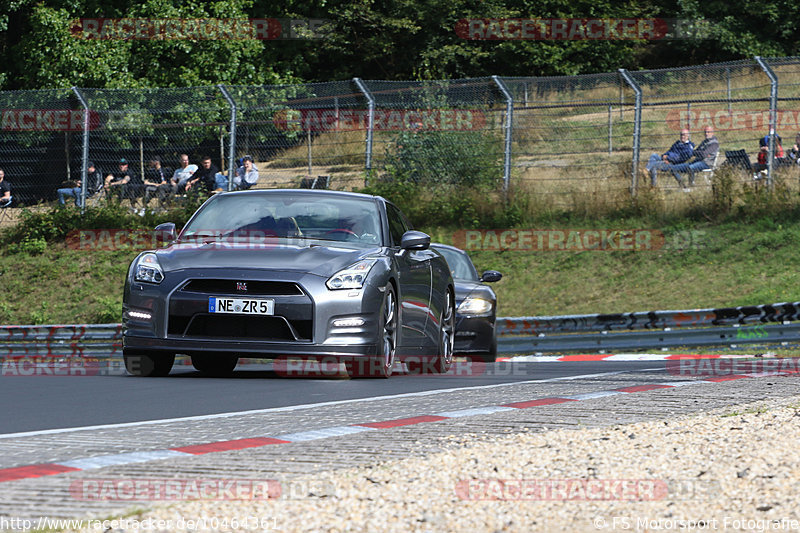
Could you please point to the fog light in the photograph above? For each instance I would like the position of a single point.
(348, 322)
(139, 315)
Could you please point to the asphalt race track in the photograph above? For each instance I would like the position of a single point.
(43, 402)
(62, 432)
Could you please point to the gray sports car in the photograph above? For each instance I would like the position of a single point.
(290, 273)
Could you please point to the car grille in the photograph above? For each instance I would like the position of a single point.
(272, 328)
(254, 288)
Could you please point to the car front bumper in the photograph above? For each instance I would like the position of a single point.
(303, 323)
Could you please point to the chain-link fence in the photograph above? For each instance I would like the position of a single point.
(569, 140)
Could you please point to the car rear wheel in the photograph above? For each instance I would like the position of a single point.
(214, 364)
(380, 366)
(447, 333)
(148, 364)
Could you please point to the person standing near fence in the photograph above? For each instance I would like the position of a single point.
(680, 152)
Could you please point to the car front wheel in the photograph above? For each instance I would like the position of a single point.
(380, 366)
(447, 332)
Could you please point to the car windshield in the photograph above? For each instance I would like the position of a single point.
(460, 264)
(284, 215)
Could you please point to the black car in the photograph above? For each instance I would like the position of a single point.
(290, 273)
(476, 305)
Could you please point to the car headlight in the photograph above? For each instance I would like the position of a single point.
(351, 277)
(475, 306)
(148, 269)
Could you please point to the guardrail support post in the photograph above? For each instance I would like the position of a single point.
(773, 116)
(232, 148)
(370, 126)
(637, 128)
(85, 155)
(508, 130)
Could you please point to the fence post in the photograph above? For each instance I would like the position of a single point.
(370, 125)
(610, 132)
(637, 128)
(85, 155)
(728, 78)
(773, 115)
(232, 149)
(509, 130)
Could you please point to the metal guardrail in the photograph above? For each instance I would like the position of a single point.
(62, 340)
(763, 324)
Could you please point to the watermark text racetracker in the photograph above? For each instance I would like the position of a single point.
(580, 29)
(577, 240)
(232, 29)
(210, 489)
(120, 239)
(580, 489)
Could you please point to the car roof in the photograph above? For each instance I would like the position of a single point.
(309, 192)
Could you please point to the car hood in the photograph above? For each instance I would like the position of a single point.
(465, 288)
(312, 257)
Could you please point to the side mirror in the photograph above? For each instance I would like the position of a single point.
(491, 276)
(415, 240)
(166, 232)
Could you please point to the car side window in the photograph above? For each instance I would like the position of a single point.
(397, 224)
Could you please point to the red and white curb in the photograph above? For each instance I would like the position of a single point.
(618, 357)
(102, 461)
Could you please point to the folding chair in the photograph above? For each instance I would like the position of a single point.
(708, 173)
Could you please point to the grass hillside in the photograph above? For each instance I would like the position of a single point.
(730, 264)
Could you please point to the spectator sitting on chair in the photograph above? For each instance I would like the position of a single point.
(763, 143)
(703, 157)
(94, 183)
(246, 176)
(182, 175)
(156, 182)
(205, 176)
(5, 190)
(116, 182)
(679, 152)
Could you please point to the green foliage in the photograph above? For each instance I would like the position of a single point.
(37, 228)
(40, 315)
(466, 159)
(108, 310)
(398, 39)
(28, 245)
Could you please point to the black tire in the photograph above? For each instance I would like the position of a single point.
(380, 366)
(491, 355)
(148, 364)
(447, 335)
(214, 364)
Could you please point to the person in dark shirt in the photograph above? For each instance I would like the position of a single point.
(205, 176)
(94, 183)
(679, 152)
(5, 190)
(116, 182)
(156, 181)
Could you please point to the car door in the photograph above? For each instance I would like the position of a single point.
(414, 278)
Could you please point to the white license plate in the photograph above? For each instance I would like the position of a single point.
(241, 306)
